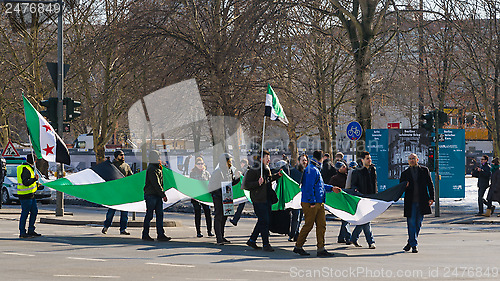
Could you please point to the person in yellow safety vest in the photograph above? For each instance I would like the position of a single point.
(26, 188)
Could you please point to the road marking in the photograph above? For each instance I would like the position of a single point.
(266, 271)
(19, 254)
(86, 276)
(85, 259)
(170, 264)
(216, 279)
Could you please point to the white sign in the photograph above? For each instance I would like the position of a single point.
(227, 198)
(10, 151)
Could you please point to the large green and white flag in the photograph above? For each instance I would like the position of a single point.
(273, 107)
(44, 140)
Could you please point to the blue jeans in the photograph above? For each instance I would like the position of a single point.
(367, 229)
(294, 227)
(28, 206)
(153, 204)
(263, 213)
(344, 234)
(123, 219)
(414, 223)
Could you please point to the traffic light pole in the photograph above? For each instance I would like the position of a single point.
(60, 97)
(436, 162)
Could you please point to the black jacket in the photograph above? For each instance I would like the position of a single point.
(425, 190)
(483, 180)
(259, 193)
(154, 180)
(365, 180)
(339, 180)
(327, 171)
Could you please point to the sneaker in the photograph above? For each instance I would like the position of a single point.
(226, 241)
(268, 248)
(324, 254)
(124, 232)
(34, 234)
(233, 222)
(104, 230)
(356, 244)
(25, 235)
(300, 251)
(210, 234)
(290, 239)
(407, 247)
(199, 235)
(372, 246)
(147, 238)
(164, 238)
(253, 245)
(414, 249)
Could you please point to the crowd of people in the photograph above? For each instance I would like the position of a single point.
(316, 176)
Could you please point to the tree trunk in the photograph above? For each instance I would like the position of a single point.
(363, 100)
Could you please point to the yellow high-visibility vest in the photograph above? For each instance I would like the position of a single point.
(22, 189)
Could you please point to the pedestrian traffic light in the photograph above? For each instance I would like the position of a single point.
(427, 122)
(71, 104)
(51, 112)
(430, 159)
(442, 118)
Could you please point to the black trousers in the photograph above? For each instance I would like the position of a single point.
(197, 216)
(219, 219)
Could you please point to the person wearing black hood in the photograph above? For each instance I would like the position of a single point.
(225, 172)
(262, 196)
(124, 168)
(154, 194)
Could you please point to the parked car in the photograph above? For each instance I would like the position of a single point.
(9, 188)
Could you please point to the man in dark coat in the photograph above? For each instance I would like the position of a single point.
(261, 194)
(483, 182)
(153, 195)
(327, 169)
(419, 197)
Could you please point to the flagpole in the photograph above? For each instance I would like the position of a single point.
(32, 152)
(262, 148)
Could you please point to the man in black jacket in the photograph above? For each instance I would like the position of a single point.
(327, 169)
(261, 194)
(364, 180)
(154, 194)
(483, 182)
(419, 197)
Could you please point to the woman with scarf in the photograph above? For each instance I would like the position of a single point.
(494, 192)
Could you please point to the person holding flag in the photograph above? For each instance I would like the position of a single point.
(27, 179)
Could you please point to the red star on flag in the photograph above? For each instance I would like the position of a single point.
(48, 150)
(47, 128)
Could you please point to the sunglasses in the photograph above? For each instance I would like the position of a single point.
(199, 163)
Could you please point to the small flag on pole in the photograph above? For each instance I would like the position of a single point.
(273, 107)
(44, 140)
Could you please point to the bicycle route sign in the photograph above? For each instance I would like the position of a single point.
(354, 131)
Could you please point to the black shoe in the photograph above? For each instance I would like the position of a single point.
(34, 234)
(300, 251)
(347, 242)
(341, 241)
(25, 235)
(407, 247)
(268, 248)
(356, 244)
(324, 254)
(226, 241)
(220, 243)
(147, 238)
(479, 214)
(124, 232)
(290, 239)
(199, 235)
(233, 222)
(104, 230)
(492, 209)
(164, 238)
(210, 234)
(253, 245)
(414, 249)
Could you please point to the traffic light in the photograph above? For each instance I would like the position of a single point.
(427, 122)
(442, 118)
(71, 104)
(430, 159)
(51, 112)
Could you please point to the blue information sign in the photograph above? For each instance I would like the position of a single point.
(354, 131)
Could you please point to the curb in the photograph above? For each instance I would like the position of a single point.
(93, 222)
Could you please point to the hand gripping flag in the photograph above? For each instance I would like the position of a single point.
(46, 143)
(273, 107)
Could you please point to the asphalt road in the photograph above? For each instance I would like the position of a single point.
(451, 248)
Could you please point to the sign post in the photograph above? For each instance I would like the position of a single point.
(354, 132)
(10, 151)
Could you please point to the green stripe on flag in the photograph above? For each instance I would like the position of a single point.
(286, 189)
(343, 202)
(33, 122)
